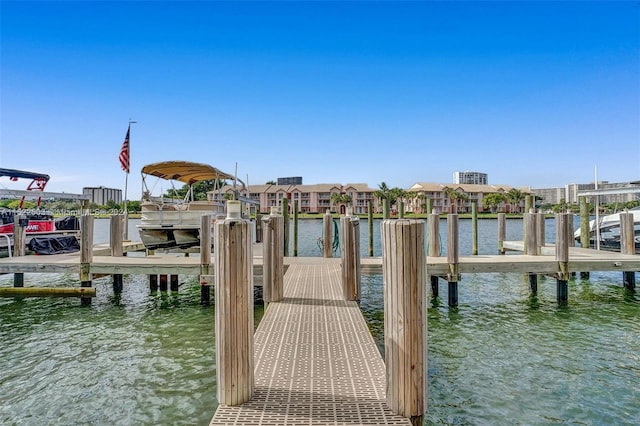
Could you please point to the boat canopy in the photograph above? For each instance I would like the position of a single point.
(185, 171)
(21, 174)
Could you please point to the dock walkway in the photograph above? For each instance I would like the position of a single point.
(315, 360)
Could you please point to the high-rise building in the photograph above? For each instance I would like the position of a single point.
(101, 195)
(295, 180)
(471, 178)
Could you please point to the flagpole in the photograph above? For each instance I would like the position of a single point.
(125, 231)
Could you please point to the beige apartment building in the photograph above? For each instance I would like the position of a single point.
(438, 193)
(310, 198)
(318, 198)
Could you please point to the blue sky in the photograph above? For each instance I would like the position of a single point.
(533, 93)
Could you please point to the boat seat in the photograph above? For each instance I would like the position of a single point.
(206, 206)
(155, 207)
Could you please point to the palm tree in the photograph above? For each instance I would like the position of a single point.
(514, 196)
(493, 200)
(454, 196)
(338, 198)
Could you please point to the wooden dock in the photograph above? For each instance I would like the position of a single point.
(580, 260)
(315, 360)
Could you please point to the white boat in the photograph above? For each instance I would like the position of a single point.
(175, 223)
(609, 229)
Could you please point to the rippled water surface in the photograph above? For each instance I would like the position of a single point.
(500, 358)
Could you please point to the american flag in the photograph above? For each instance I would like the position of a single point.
(124, 152)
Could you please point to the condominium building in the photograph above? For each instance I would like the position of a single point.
(101, 195)
(310, 198)
(570, 193)
(471, 178)
(449, 198)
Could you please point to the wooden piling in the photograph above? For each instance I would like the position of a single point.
(540, 232)
(563, 222)
(370, 224)
(452, 258)
(258, 228)
(272, 258)
(285, 216)
(530, 234)
(234, 329)
(86, 254)
(206, 268)
(295, 228)
(429, 206)
(385, 209)
(350, 256)
(401, 209)
(115, 243)
(474, 228)
(585, 241)
(405, 317)
(627, 246)
(174, 283)
(434, 248)
(163, 283)
(502, 232)
(19, 238)
(327, 247)
(153, 284)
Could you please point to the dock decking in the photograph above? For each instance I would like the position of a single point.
(315, 360)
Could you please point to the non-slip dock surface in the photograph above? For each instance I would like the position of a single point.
(316, 362)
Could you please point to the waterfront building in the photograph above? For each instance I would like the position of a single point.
(443, 200)
(101, 195)
(295, 180)
(311, 198)
(471, 178)
(570, 193)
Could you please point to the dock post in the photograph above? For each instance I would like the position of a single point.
(540, 233)
(19, 237)
(502, 231)
(153, 284)
(295, 228)
(327, 223)
(452, 258)
(258, 228)
(285, 216)
(563, 223)
(405, 316)
(401, 209)
(273, 260)
(474, 228)
(350, 255)
(115, 243)
(434, 248)
(164, 283)
(627, 246)
(234, 328)
(584, 228)
(206, 279)
(531, 247)
(174, 283)
(370, 225)
(385, 209)
(86, 254)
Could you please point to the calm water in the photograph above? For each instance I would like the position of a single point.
(501, 358)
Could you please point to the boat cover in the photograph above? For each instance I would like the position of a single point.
(185, 171)
(54, 245)
(68, 223)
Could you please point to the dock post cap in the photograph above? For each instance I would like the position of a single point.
(234, 209)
